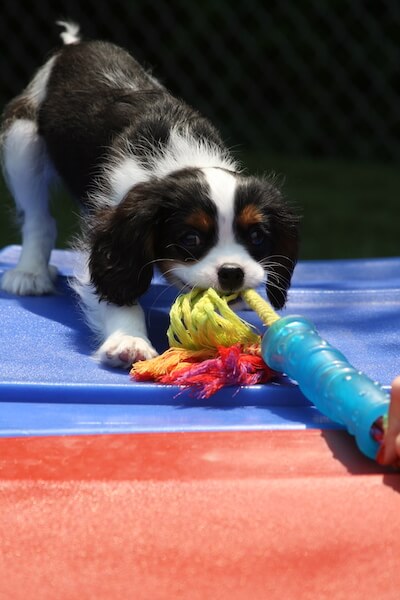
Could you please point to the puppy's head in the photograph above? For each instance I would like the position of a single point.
(201, 227)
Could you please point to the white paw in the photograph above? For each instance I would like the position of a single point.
(23, 283)
(121, 350)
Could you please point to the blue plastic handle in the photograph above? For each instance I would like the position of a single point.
(293, 346)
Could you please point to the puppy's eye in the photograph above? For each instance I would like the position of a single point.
(256, 235)
(191, 239)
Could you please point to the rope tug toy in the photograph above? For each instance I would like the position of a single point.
(210, 346)
(202, 356)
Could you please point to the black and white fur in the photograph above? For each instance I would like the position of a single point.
(157, 189)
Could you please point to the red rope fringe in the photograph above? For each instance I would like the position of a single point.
(230, 366)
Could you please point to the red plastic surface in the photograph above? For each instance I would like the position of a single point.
(246, 515)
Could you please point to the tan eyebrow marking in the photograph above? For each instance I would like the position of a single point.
(200, 220)
(250, 215)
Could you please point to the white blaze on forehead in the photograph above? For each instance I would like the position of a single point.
(204, 272)
(222, 192)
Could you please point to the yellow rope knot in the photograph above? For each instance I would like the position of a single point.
(201, 325)
(203, 319)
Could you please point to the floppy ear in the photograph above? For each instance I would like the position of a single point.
(283, 257)
(122, 247)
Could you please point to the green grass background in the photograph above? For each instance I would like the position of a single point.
(348, 208)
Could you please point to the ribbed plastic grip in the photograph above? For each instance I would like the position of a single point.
(293, 346)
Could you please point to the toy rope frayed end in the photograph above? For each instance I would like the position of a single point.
(210, 345)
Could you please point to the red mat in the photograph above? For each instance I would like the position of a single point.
(265, 515)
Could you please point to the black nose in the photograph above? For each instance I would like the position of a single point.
(230, 277)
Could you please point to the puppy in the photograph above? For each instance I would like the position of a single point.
(156, 186)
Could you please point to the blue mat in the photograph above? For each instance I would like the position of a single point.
(49, 384)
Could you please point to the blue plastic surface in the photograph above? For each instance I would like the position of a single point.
(50, 384)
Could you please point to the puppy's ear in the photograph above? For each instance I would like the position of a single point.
(122, 247)
(283, 256)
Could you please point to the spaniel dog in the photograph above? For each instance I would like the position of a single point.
(157, 189)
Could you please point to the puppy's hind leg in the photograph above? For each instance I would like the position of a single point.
(27, 174)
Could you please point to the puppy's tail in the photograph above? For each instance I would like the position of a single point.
(70, 35)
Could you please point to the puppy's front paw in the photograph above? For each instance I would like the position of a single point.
(121, 350)
(23, 283)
